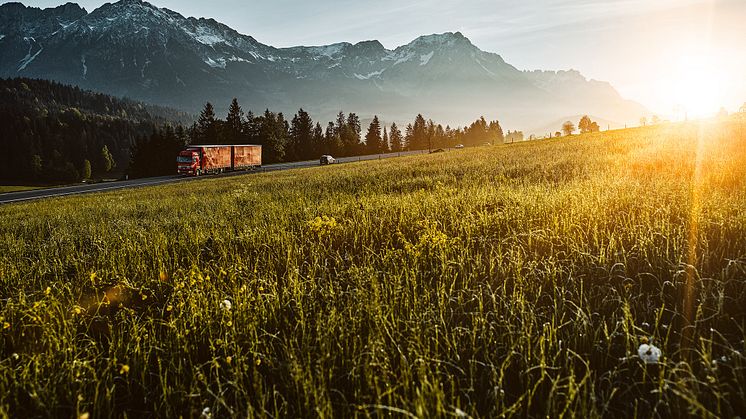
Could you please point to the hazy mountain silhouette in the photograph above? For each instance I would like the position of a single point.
(132, 48)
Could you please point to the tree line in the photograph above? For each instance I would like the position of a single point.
(302, 138)
(54, 133)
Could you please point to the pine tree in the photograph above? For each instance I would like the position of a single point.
(331, 140)
(86, 169)
(107, 160)
(386, 146)
(396, 139)
(234, 124)
(301, 137)
(317, 145)
(419, 138)
(207, 127)
(409, 138)
(373, 140)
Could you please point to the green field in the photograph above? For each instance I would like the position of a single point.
(515, 280)
(11, 188)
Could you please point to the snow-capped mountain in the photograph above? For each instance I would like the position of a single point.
(132, 48)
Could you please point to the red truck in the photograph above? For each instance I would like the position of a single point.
(203, 159)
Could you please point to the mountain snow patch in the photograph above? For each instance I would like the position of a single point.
(238, 59)
(29, 58)
(367, 77)
(424, 59)
(404, 59)
(327, 50)
(220, 63)
(1, 37)
(209, 39)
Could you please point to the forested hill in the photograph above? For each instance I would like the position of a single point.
(57, 133)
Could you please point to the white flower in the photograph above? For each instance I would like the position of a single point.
(649, 353)
(206, 413)
(460, 413)
(226, 304)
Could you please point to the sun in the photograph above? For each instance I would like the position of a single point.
(695, 85)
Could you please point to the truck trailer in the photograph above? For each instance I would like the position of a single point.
(198, 160)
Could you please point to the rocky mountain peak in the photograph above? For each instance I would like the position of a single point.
(133, 48)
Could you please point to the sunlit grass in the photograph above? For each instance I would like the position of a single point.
(498, 281)
(7, 189)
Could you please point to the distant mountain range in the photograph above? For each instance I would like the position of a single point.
(134, 49)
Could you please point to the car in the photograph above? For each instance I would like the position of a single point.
(460, 146)
(327, 159)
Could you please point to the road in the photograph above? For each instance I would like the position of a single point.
(11, 197)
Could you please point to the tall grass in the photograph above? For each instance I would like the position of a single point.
(492, 282)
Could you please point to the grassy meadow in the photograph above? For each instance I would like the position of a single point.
(514, 280)
(14, 188)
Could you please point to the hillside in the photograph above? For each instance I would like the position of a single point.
(52, 129)
(132, 48)
(493, 281)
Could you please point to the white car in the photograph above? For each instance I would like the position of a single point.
(327, 159)
(459, 146)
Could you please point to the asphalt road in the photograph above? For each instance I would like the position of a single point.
(11, 197)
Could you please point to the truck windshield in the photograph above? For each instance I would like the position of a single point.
(184, 159)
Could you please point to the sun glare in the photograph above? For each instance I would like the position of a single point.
(695, 85)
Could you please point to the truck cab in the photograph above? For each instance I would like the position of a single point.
(188, 163)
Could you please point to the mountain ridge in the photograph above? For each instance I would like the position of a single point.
(135, 49)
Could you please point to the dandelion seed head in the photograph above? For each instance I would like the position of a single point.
(649, 353)
(226, 304)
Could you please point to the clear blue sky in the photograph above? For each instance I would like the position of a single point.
(648, 49)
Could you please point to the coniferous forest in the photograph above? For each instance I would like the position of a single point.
(55, 134)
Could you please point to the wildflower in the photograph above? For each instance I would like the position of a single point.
(226, 304)
(6, 325)
(228, 359)
(169, 307)
(124, 370)
(649, 353)
(93, 277)
(85, 415)
(77, 310)
(15, 356)
(206, 414)
(163, 276)
(48, 291)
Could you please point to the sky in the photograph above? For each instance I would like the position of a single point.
(677, 57)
